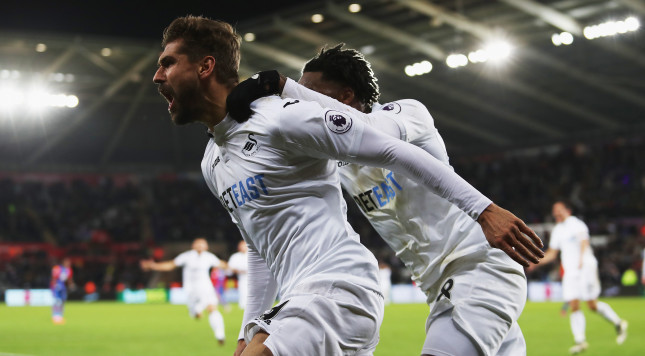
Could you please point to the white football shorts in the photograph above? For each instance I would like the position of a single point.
(482, 295)
(198, 298)
(582, 284)
(322, 318)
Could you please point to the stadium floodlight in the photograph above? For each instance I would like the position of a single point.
(41, 47)
(478, 56)
(317, 18)
(10, 97)
(564, 38)
(611, 28)
(249, 37)
(456, 60)
(498, 50)
(419, 68)
(354, 8)
(36, 99)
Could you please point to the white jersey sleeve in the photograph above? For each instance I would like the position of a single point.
(213, 260)
(340, 135)
(383, 123)
(263, 289)
(181, 259)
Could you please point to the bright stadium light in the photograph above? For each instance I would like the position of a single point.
(478, 56)
(71, 101)
(36, 99)
(41, 47)
(456, 60)
(420, 68)
(354, 8)
(249, 37)
(632, 23)
(10, 97)
(106, 52)
(317, 18)
(564, 38)
(611, 28)
(498, 50)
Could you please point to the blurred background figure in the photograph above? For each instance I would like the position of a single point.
(61, 278)
(385, 279)
(196, 263)
(570, 238)
(238, 264)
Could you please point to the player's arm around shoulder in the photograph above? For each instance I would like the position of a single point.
(306, 127)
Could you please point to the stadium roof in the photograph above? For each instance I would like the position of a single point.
(540, 94)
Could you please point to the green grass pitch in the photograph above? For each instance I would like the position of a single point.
(119, 329)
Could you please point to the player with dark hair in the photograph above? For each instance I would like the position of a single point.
(570, 238)
(476, 293)
(276, 175)
(346, 72)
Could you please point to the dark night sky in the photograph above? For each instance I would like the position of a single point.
(133, 19)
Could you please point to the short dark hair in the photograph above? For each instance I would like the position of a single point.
(347, 67)
(205, 37)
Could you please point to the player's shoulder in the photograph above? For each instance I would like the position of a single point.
(577, 222)
(283, 113)
(410, 110)
(275, 106)
(186, 254)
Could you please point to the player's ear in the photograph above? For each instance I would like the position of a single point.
(347, 96)
(206, 67)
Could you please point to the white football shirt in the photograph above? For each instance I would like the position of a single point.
(567, 237)
(274, 175)
(239, 262)
(425, 230)
(196, 268)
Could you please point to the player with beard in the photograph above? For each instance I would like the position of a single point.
(276, 175)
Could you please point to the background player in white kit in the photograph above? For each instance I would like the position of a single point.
(238, 264)
(475, 292)
(570, 237)
(281, 189)
(197, 284)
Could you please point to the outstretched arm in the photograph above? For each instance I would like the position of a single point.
(150, 265)
(338, 135)
(550, 256)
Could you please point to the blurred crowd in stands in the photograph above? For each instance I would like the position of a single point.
(107, 223)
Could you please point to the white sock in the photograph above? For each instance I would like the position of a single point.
(217, 324)
(577, 320)
(605, 310)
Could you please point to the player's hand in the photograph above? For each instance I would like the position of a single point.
(508, 233)
(241, 345)
(261, 84)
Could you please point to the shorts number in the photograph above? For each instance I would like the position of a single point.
(445, 290)
(271, 313)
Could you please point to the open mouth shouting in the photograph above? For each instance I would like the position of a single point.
(169, 97)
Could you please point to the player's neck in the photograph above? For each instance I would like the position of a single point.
(216, 103)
